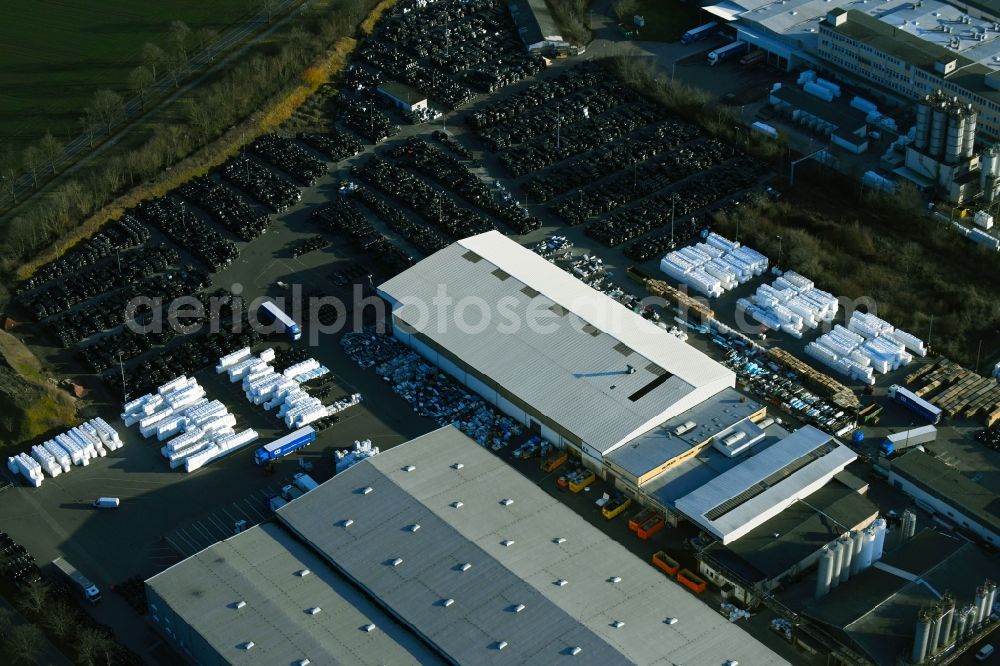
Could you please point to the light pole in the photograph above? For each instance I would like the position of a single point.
(673, 200)
(779, 250)
(121, 366)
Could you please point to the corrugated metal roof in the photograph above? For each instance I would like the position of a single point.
(555, 618)
(261, 567)
(577, 378)
(738, 500)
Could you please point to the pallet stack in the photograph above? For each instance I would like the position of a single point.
(839, 394)
(958, 391)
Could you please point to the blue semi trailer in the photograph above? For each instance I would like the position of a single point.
(270, 313)
(285, 445)
(915, 403)
(699, 33)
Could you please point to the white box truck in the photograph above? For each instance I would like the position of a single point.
(89, 591)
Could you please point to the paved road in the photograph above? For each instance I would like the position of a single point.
(79, 151)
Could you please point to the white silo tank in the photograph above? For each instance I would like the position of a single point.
(838, 562)
(971, 120)
(921, 638)
(825, 572)
(991, 597)
(847, 557)
(858, 539)
(935, 638)
(939, 128)
(981, 596)
(867, 548)
(922, 131)
(946, 622)
(879, 525)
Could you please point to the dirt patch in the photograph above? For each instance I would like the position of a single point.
(30, 402)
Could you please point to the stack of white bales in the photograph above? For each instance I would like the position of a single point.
(263, 385)
(715, 266)
(75, 446)
(362, 449)
(790, 303)
(839, 349)
(872, 328)
(27, 466)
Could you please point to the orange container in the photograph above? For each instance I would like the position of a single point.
(665, 563)
(650, 527)
(554, 461)
(691, 581)
(639, 518)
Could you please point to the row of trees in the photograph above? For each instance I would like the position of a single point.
(573, 19)
(56, 618)
(203, 116)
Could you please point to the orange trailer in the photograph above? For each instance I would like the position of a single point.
(665, 563)
(653, 525)
(691, 581)
(554, 461)
(639, 518)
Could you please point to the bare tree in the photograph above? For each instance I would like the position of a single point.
(139, 79)
(33, 162)
(268, 7)
(93, 647)
(152, 57)
(180, 38)
(205, 37)
(61, 619)
(107, 104)
(88, 123)
(35, 597)
(51, 149)
(625, 9)
(9, 168)
(175, 67)
(24, 645)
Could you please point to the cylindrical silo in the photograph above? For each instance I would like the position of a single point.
(921, 638)
(838, 562)
(909, 524)
(879, 525)
(923, 129)
(939, 127)
(991, 597)
(858, 539)
(971, 119)
(981, 595)
(825, 573)
(966, 621)
(955, 136)
(947, 620)
(935, 638)
(847, 556)
(868, 547)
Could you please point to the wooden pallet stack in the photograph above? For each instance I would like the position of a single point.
(958, 391)
(839, 394)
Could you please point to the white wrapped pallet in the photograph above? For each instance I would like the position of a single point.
(187, 397)
(719, 270)
(241, 369)
(911, 342)
(267, 355)
(255, 377)
(167, 428)
(60, 454)
(12, 465)
(46, 461)
(847, 334)
(223, 446)
(231, 359)
(75, 451)
(30, 469)
(299, 368)
(821, 353)
(186, 439)
(834, 345)
(176, 458)
(214, 426)
(90, 445)
(308, 417)
(721, 242)
(801, 282)
(709, 250)
(792, 330)
(173, 385)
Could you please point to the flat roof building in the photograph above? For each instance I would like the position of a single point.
(558, 356)
(403, 96)
(487, 568)
(760, 487)
(535, 24)
(946, 491)
(263, 597)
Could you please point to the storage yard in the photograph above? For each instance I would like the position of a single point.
(693, 429)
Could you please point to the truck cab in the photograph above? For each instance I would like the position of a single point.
(83, 584)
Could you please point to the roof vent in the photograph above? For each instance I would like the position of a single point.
(447, 602)
(507, 543)
(562, 582)
(559, 540)
(347, 522)
(247, 645)
(368, 628)
(414, 527)
(396, 562)
(239, 604)
(617, 624)
(303, 573)
(518, 608)
(466, 566)
(507, 502)
(576, 650)
(366, 490)
(615, 579)
(457, 504)
(315, 610)
(501, 645)
(670, 620)
(303, 662)
(409, 468)
(457, 466)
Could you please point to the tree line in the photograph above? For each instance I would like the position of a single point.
(198, 119)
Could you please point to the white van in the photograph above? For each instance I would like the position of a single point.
(106, 503)
(984, 652)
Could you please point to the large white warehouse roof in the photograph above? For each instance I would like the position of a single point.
(597, 369)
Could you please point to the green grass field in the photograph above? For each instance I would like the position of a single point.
(57, 53)
(667, 20)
